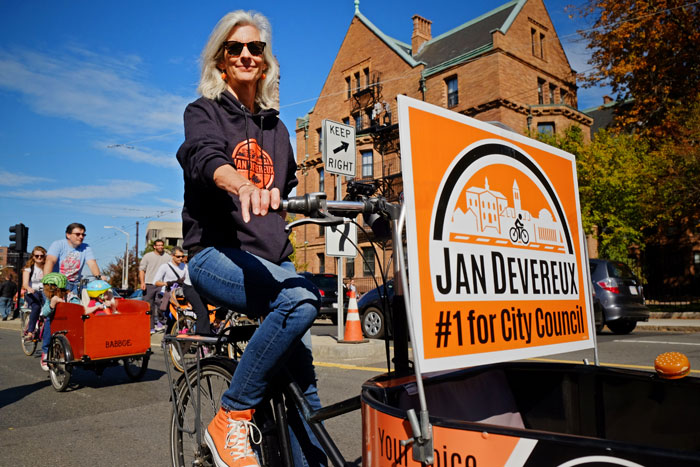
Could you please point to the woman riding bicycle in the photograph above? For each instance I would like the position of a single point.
(31, 283)
(237, 160)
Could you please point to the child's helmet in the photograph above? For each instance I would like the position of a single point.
(97, 288)
(55, 278)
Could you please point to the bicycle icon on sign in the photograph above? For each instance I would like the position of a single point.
(518, 232)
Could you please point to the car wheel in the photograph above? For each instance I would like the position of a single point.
(373, 323)
(622, 326)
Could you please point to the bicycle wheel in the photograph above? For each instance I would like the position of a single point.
(60, 371)
(215, 379)
(525, 237)
(513, 232)
(28, 345)
(183, 355)
(135, 367)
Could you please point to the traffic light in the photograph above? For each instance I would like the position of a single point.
(19, 234)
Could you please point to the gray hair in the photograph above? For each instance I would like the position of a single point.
(211, 85)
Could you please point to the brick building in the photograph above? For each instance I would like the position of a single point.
(506, 66)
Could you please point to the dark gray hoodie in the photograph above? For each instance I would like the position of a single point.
(223, 131)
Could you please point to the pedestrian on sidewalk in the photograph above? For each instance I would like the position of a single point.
(8, 289)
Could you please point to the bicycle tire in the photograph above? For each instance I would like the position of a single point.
(215, 379)
(61, 353)
(136, 366)
(525, 237)
(513, 233)
(28, 346)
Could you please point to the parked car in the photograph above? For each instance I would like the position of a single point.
(371, 308)
(597, 312)
(620, 293)
(327, 285)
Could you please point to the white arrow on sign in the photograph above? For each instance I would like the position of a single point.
(341, 240)
(339, 148)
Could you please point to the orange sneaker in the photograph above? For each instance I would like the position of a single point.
(228, 437)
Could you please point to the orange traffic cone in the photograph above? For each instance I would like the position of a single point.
(353, 329)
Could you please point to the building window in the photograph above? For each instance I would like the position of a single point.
(541, 46)
(452, 92)
(367, 163)
(346, 120)
(321, 180)
(537, 43)
(366, 72)
(350, 267)
(562, 96)
(368, 263)
(348, 85)
(540, 91)
(358, 121)
(552, 93)
(319, 132)
(357, 81)
(545, 128)
(321, 263)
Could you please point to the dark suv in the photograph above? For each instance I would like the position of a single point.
(327, 285)
(620, 294)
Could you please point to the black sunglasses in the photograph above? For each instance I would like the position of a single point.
(180, 256)
(235, 48)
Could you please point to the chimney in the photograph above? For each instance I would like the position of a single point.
(421, 33)
(607, 100)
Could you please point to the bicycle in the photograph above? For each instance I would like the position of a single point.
(196, 395)
(519, 233)
(29, 345)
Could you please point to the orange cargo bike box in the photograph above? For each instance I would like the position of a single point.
(105, 336)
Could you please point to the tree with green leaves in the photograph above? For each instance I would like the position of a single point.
(114, 270)
(648, 51)
(615, 180)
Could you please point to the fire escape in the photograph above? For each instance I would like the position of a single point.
(375, 119)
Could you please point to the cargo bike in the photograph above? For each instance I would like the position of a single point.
(495, 413)
(97, 341)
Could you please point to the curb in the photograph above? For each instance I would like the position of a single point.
(329, 347)
(685, 327)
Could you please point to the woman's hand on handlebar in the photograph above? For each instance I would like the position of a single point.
(258, 201)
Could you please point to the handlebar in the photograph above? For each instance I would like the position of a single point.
(324, 212)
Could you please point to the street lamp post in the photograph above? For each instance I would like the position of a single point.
(125, 269)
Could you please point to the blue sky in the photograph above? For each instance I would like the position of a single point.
(92, 95)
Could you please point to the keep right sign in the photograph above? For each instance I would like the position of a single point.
(497, 264)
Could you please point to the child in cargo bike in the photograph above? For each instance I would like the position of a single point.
(102, 301)
(55, 292)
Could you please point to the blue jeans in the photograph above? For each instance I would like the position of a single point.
(34, 301)
(242, 281)
(6, 306)
(46, 340)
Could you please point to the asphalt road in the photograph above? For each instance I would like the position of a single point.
(109, 420)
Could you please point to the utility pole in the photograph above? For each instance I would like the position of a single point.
(137, 248)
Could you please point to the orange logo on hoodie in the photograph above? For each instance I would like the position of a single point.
(254, 163)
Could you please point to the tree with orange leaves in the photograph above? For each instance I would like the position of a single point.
(648, 51)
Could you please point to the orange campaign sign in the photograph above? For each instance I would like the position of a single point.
(497, 265)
